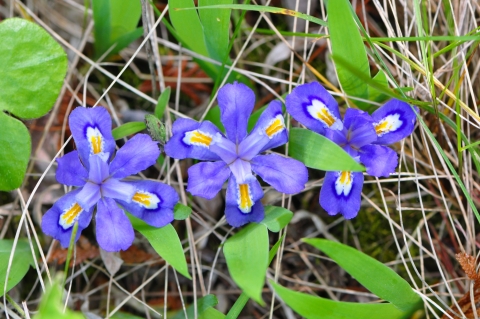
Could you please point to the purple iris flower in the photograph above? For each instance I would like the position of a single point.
(236, 156)
(100, 178)
(361, 135)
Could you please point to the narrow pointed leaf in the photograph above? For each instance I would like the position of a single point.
(127, 129)
(162, 103)
(246, 254)
(312, 307)
(372, 274)
(317, 151)
(166, 243)
(348, 44)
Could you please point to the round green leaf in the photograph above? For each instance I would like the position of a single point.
(14, 152)
(33, 69)
(20, 265)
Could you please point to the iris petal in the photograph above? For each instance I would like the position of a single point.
(116, 189)
(379, 160)
(393, 121)
(139, 153)
(89, 195)
(113, 228)
(243, 203)
(242, 170)
(177, 147)
(311, 105)
(98, 169)
(206, 179)
(271, 122)
(153, 202)
(285, 174)
(359, 128)
(92, 131)
(224, 148)
(70, 170)
(341, 193)
(53, 225)
(236, 102)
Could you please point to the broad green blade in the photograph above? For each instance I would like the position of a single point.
(216, 24)
(372, 274)
(246, 254)
(317, 151)
(187, 25)
(166, 243)
(348, 44)
(312, 307)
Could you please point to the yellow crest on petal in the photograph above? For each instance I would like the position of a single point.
(388, 124)
(320, 111)
(95, 139)
(197, 138)
(146, 199)
(275, 126)
(244, 198)
(343, 184)
(70, 215)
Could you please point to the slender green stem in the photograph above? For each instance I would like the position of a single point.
(16, 305)
(70, 251)
(237, 307)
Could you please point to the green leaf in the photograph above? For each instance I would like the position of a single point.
(162, 103)
(266, 9)
(115, 23)
(211, 313)
(276, 218)
(182, 212)
(22, 259)
(376, 95)
(128, 129)
(166, 243)
(51, 305)
(191, 33)
(15, 150)
(246, 254)
(312, 307)
(203, 304)
(348, 44)
(124, 315)
(33, 69)
(216, 25)
(372, 274)
(317, 151)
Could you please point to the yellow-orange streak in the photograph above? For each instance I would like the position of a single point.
(383, 127)
(245, 201)
(198, 137)
(142, 198)
(96, 144)
(276, 126)
(346, 178)
(70, 215)
(325, 116)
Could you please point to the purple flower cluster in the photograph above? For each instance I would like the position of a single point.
(236, 155)
(361, 135)
(99, 174)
